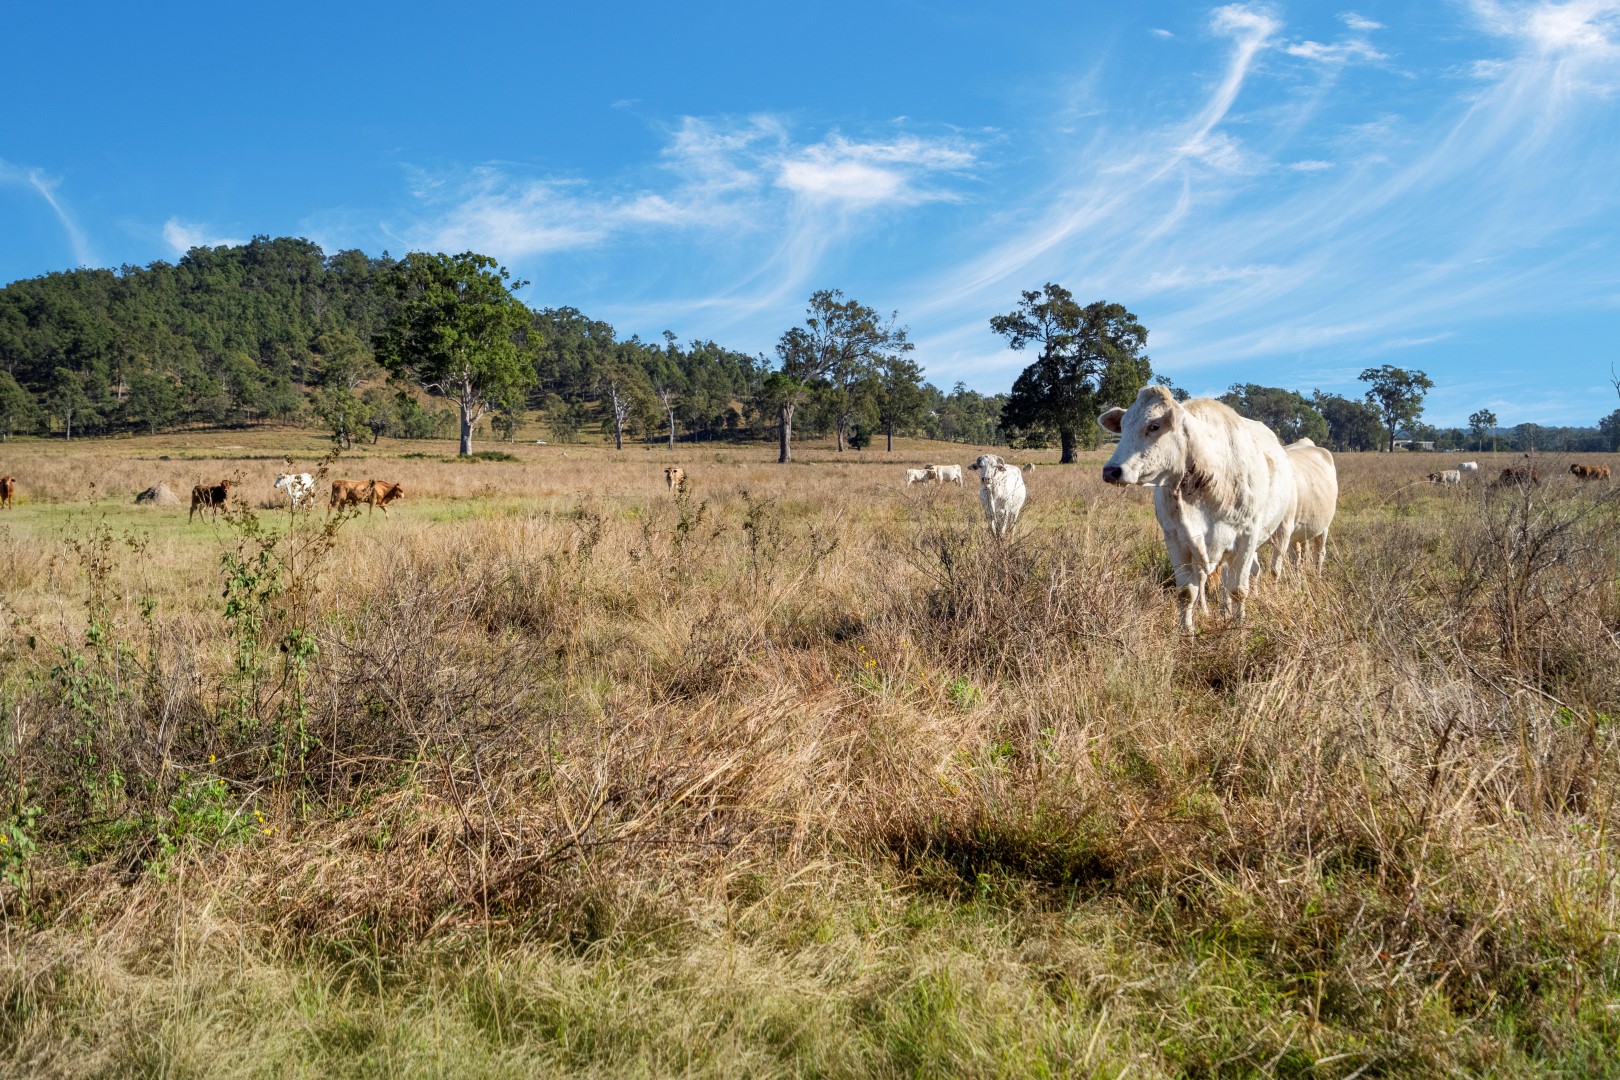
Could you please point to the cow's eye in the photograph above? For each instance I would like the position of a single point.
(1152, 427)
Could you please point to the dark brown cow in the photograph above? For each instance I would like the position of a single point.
(8, 488)
(206, 498)
(1520, 474)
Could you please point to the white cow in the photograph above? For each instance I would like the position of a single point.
(1446, 476)
(1222, 485)
(919, 476)
(942, 473)
(1001, 492)
(1316, 500)
(298, 486)
(1468, 467)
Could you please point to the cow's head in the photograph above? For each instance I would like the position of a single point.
(987, 466)
(1152, 439)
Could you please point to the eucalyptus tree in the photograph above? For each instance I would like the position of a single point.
(1397, 394)
(839, 345)
(457, 332)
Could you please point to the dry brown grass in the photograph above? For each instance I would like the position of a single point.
(802, 774)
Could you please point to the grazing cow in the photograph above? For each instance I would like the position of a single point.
(1468, 467)
(943, 473)
(1519, 474)
(1590, 472)
(381, 493)
(919, 476)
(1001, 492)
(1316, 500)
(206, 498)
(1223, 485)
(1446, 476)
(298, 486)
(675, 477)
(8, 489)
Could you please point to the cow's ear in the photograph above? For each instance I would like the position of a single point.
(1110, 420)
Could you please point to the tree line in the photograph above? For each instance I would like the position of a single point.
(430, 345)
(423, 346)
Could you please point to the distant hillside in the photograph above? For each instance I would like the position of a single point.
(276, 330)
(226, 335)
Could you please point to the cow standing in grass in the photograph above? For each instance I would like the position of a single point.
(1001, 492)
(298, 486)
(1316, 500)
(206, 498)
(1223, 486)
(8, 489)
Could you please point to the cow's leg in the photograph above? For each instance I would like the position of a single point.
(1321, 552)
(1241, 563)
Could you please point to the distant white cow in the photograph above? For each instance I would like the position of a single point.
(1468, 467)
(1001, 492)
(298, 486)
(944, 473)
(919, 476)
(1223, 485)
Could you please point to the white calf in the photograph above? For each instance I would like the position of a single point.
(919, 476)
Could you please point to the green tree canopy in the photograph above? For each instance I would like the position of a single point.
(840, 343)
(1397, 394)
(1481, 423)
(1352, 425)
(1089, 356)
(1283, 411)
(457, 332)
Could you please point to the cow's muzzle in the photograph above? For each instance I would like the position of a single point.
(1113, 474)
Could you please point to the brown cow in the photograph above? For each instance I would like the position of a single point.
(8, 488)
(1590, 472)
(206, 498)
(381, 493)
(349, 493)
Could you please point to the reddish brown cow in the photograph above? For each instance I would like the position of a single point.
(206, 498)
(349, 493)
(381, 493)
(8, 488)
(1590, 472)
(373, 493)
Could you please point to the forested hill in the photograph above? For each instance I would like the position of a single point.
(277, 330)
(226, 335)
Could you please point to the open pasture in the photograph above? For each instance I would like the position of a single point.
(550, 772)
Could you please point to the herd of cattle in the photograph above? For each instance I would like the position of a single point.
(1516, 474)
(1223, 486)
(301, 486)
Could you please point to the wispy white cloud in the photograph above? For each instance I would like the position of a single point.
(1359, 22)
(716, 181)
(45, 188)
(1161, 32)
(182, 236)
(1340, 52)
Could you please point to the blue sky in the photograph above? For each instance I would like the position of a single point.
(1284, 194)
